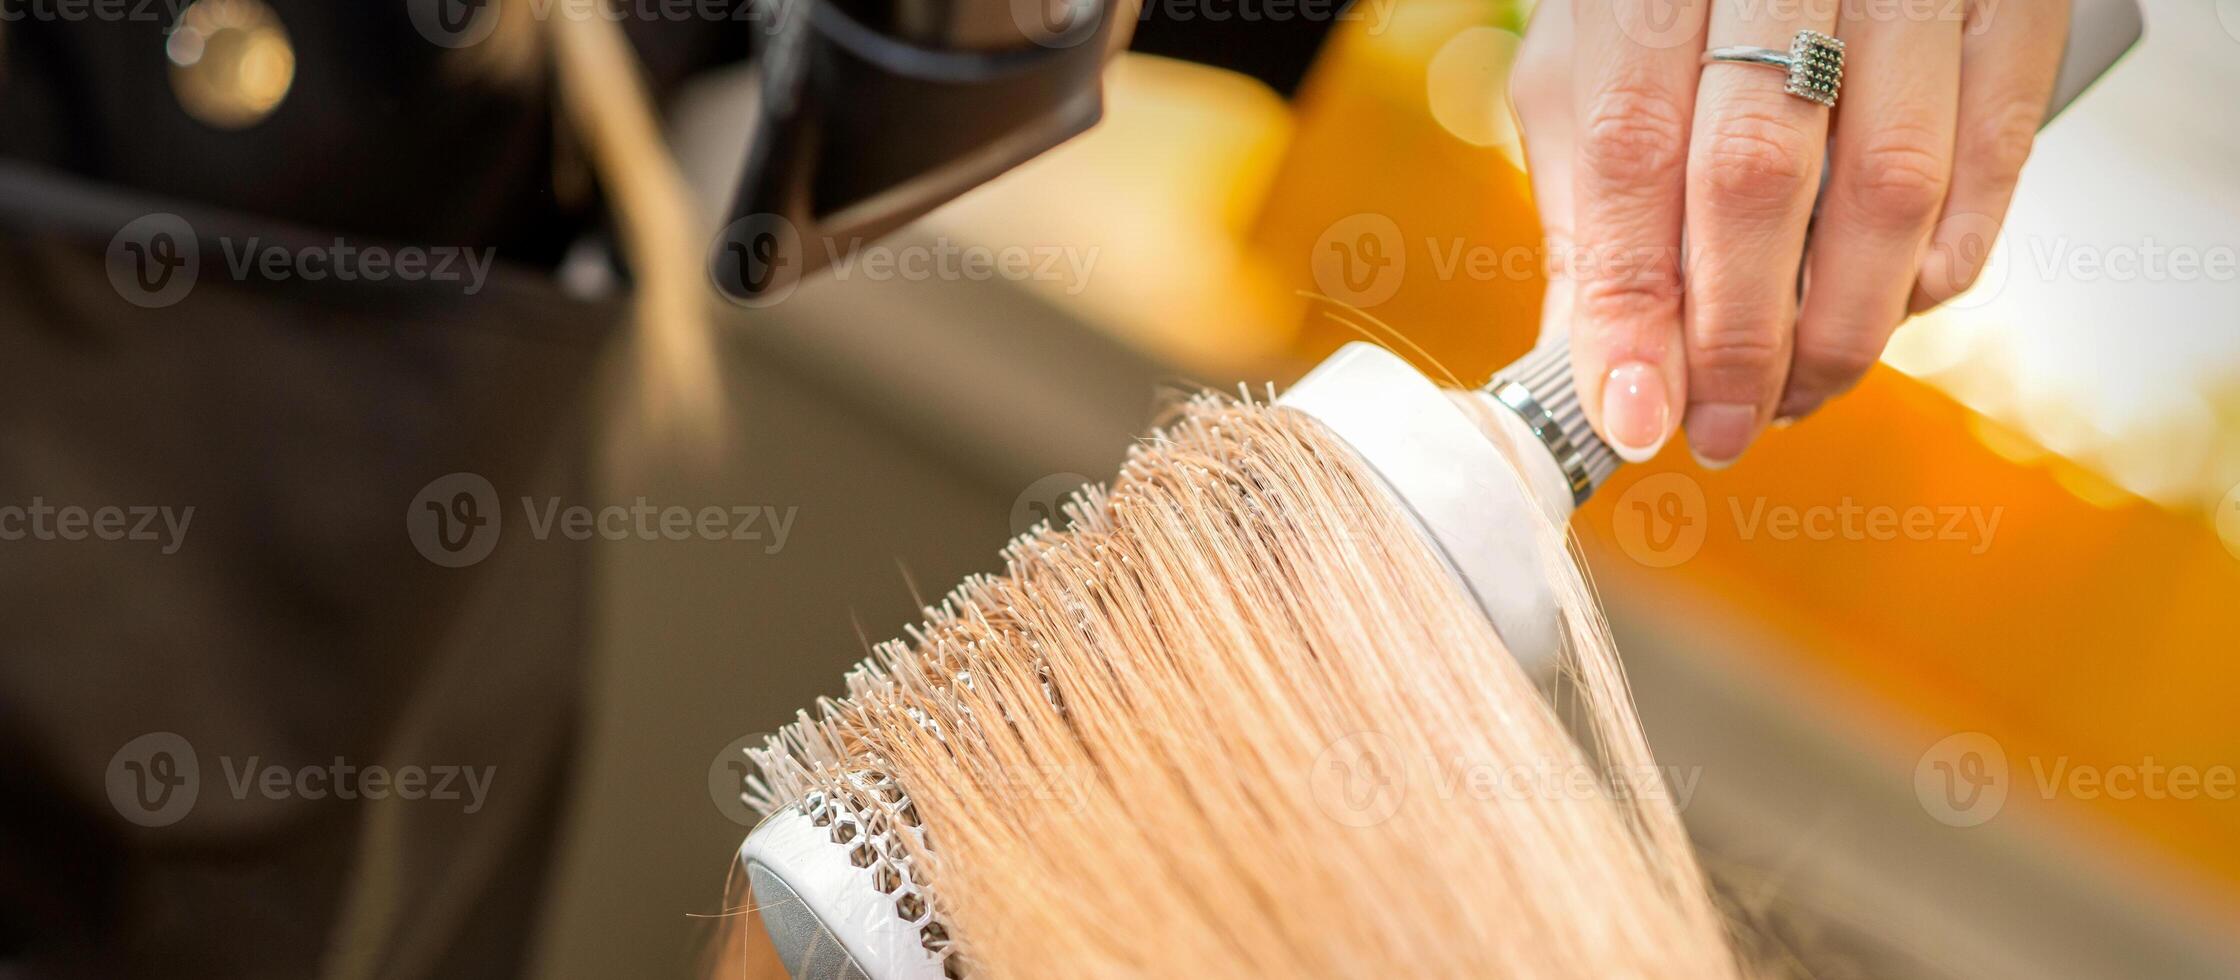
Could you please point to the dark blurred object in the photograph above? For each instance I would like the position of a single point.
(383, 133)
(1275, 45)
(873, 112)
(291, 623)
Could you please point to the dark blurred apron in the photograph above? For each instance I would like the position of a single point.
(293, 623)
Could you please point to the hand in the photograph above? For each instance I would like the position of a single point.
(1630, 140)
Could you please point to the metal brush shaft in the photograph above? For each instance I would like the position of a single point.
(1539, 388)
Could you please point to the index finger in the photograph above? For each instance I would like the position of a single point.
(1634, 86)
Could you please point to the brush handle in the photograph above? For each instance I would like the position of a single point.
(1538, 392)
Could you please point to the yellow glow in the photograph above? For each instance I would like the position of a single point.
(1467, 83)
(1158, 194)
(2004, 442)
(1929, 346)
(231, 62)
(2090, 487)
(265, 71)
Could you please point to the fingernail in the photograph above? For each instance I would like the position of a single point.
(1635, 412)
(1718, 433)
(1784, 421)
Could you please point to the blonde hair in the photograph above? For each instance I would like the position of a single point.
(609, 109)
(1140, 751)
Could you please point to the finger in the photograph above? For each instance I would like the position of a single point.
(2010, 54)
(1891, 164)
(1540, 95)
(1753, 168)
(1633, 91)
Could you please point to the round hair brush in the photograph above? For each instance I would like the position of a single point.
(836, 868)
(841, 866)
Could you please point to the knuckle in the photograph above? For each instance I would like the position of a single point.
(1939, 285)
(1534, 96)
(1738, 352)
(1624, 303)
(1753, 160)
(1633, 134)
(2005, 138)
(1831, 365)
(1900, 184)
(1734, 365)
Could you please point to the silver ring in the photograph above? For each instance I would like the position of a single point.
(1814, 62)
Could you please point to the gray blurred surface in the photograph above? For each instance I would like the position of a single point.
(1805, 806)
(905, 432)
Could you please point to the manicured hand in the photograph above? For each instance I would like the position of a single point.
(1631, 139)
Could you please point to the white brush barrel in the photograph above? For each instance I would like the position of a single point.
(1469, 501)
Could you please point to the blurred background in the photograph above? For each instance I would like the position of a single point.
(1945, 671)
(1879, 716)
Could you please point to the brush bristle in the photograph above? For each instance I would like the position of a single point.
(1145, 748)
